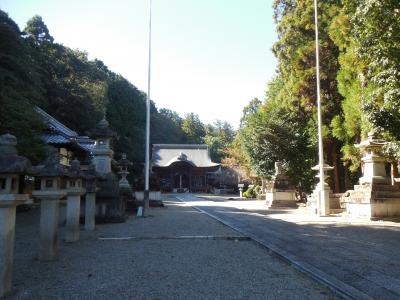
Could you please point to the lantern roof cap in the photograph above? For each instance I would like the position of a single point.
(102, 129)
(74, 171)
(372, 141)
(51, 167)
(326, 167)
(124, 162)
(10, 161)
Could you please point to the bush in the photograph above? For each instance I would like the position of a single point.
(249, 193)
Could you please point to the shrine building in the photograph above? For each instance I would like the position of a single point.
(181, 168)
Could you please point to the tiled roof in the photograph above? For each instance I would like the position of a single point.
(59, 134)
(54, 139)
(196, 155)
(55, 124)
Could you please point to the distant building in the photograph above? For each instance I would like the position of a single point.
(183, 167)
(70, 145)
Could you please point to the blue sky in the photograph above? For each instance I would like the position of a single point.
(210, 57)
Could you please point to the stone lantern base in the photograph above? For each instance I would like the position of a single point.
(372, 201)
(281, 199)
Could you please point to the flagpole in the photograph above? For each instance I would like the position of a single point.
(146, 201)
(323, 205)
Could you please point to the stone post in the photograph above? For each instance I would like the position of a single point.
(11, 167)
(49, 212)
(125, 190)
(74, 193)
(90, 177)
(49, 194)
(90, 211)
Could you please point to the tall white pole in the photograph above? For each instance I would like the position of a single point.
(323, 205)
(147, 156)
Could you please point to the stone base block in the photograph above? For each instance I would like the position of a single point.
(281, 199)
(374, 210)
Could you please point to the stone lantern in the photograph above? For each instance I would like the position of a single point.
(12, 166)
(374, 164)
(241, 186)
(102, 153)
(75, 190)
(123, 164)
(49, 194)
(90, 176)
(322, 208)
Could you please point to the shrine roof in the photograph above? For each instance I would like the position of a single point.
(197, 155)
(59, 134)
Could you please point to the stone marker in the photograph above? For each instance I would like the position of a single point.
(74, 192)
(11, 167)
(49, 195)
(90, 199)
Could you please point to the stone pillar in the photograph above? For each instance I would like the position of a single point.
(74, 192)
(323, 206)
(90, 211)
(11, 167)
(7, 231)
(73, 213)
(49, 211)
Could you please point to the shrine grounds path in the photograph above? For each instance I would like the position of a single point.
(179, 253)
(358, 258)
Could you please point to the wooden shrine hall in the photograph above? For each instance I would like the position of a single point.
(181, 168)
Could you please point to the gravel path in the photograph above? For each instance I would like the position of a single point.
(156, 262)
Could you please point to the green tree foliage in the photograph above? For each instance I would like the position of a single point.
(173, 115)
(38, 30)
(193, 128)
(219, 137)
(19, 90)
(274, 133)
(366, 33)
(376, 30)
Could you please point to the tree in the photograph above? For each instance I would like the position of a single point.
(249, 110)
(193, 128)
(219, 137)
(173, 115)
(20, 90)
(276, 134)
(294, 86)
(37, 30)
